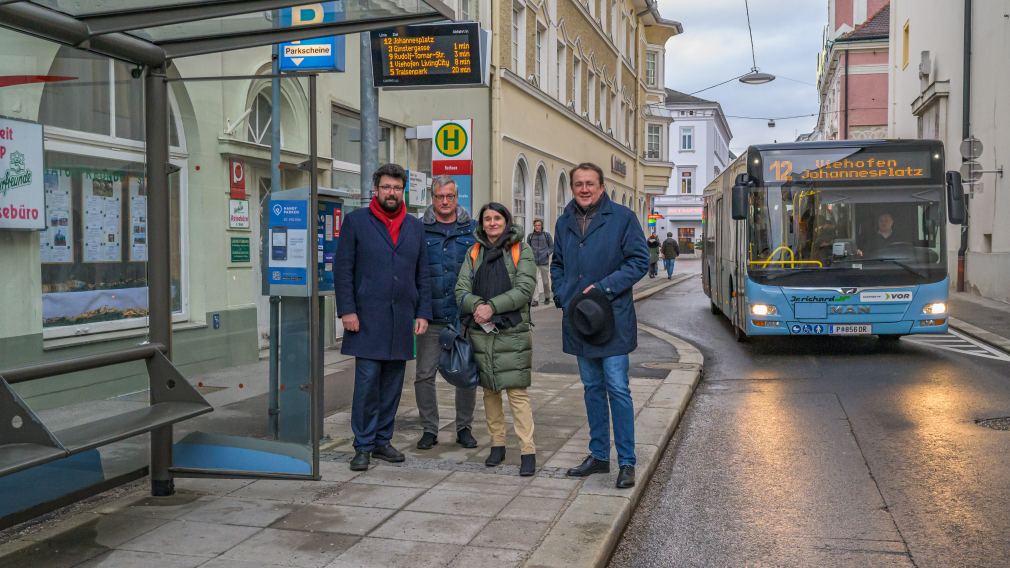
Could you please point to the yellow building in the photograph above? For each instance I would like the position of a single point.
(572, 82)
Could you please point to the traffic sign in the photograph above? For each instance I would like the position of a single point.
(451, 140)
(971, 171)
(320, 54)
(971, 148)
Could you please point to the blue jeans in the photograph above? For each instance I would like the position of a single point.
(377, 388)
(607, 378)
(668, 264)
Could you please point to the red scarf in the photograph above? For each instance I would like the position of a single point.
(393, 221)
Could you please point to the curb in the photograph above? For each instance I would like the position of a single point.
(588, 531)
(980, 334)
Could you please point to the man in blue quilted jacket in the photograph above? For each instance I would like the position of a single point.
(448, 234)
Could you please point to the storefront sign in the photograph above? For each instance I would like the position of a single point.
(22, 186)
(240, 250)
(618, 166)
(416, 182)
(237, 176)
(238, 214)
(451, 155)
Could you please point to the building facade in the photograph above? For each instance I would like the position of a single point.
(927, 94)
(852, 71)
(571, 83)
(698, 137)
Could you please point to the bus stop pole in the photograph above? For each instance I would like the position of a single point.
(369, 119)
(159, 264)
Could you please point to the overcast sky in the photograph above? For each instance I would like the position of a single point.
(715, 47)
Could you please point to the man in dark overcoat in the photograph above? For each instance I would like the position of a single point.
(383, 300)
(600, 244)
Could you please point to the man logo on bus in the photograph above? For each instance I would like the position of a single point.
(451, 140)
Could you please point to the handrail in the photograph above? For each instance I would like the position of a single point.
(765, 263)
(86, 363)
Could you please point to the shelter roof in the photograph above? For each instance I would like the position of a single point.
(151, 32)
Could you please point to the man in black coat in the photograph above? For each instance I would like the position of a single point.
(383, 300)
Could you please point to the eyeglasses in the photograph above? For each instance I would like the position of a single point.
(394, 188)
(449, 197)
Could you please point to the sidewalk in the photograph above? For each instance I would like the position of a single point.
(981, 318)
(441, 507)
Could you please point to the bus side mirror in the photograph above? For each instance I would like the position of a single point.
(955, 199)
(740, 189)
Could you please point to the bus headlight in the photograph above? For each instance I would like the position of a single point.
(763, 310)
(936, 308)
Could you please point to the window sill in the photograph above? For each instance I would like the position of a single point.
(107, 336)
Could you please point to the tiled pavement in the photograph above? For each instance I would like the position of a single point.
(442, 507)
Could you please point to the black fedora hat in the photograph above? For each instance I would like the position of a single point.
(592, 317)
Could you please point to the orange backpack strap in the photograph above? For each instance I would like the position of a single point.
(516, 249)
(473, 254)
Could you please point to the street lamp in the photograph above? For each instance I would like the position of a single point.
(755, 77)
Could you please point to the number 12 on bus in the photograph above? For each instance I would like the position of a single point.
(832, 238)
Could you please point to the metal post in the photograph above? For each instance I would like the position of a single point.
(369, 119)
(275, 301)
(159, 265)
(962, 251)
(315, 342)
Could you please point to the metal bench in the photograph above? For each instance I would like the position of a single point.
(25, 441)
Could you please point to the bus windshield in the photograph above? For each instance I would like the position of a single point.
(804, 234)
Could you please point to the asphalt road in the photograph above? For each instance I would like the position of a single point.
(826, 452)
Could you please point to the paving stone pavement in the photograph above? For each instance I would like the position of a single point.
(442, 507)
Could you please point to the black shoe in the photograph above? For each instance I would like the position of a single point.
(588, 467)
(496, 456)
(427, 441)
(529, 465)
(626, 477)
(388, 453)
(360, 461)
(465, 438)
(534, 303)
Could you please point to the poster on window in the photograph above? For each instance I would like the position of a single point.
(21, 185)
(103, 206)
(56, 243)
(138, 219)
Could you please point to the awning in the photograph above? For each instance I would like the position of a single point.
(152, 32)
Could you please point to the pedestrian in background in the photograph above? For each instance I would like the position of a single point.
(383, 300)
(653, 244)
(670, 250)
(448, 233)
(494, 288)
(542, 244)
(600, 251)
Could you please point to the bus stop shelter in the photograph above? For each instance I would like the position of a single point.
(148, 35)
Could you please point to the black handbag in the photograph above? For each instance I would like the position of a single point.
(455, 359)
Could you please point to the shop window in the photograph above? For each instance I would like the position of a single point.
(94, 251)
(345, 139)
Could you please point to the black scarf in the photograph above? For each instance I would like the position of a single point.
(492, 279)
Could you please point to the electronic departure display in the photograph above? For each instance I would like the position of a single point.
(845, 165)
(431, 55)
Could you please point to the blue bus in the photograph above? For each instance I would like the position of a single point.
(832, 238)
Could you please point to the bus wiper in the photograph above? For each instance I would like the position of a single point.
(898, 262)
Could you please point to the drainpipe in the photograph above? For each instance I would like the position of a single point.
(845, 136)
(965, 134)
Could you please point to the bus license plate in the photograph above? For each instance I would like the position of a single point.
(851, 329)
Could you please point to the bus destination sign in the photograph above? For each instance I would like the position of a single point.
(844, 164)
(429, 55)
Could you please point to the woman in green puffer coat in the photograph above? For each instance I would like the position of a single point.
(494, 288)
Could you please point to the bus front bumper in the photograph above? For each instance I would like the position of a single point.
(767, 326)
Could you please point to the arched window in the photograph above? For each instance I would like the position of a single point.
(519, 182)
(540, 194)
(259, 121)
(624, 200)
(562, 193)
